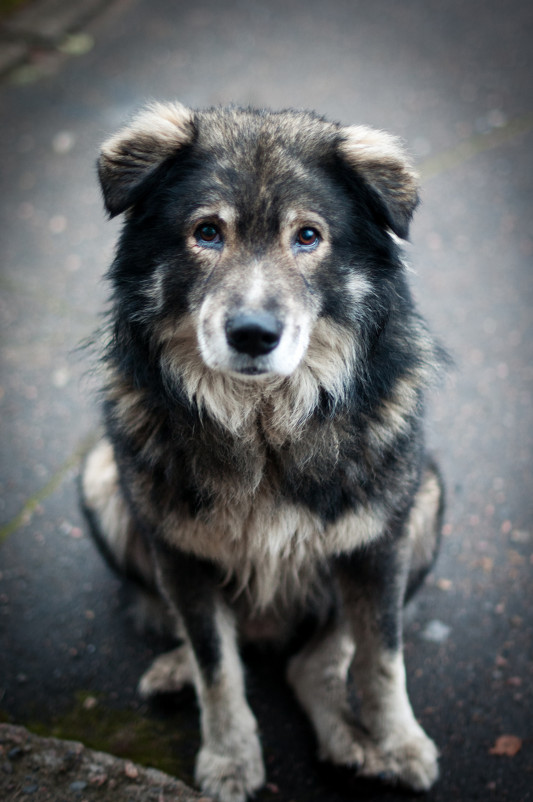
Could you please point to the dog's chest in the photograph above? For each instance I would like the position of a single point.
(269, 547)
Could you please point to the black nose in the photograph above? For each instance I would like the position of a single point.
(253, 333)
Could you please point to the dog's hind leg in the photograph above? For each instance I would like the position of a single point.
(229, 766)
(110, 520)
(424, 527)
(119, 539)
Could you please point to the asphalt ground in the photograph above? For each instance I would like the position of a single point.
(455, 81)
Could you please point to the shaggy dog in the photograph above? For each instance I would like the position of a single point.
(263, 457)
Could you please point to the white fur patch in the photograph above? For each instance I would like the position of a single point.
(154, 291)
(256, 288)
(358, 287)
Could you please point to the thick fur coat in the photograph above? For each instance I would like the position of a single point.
(264, 393)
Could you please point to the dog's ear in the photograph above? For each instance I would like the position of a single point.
(379, 159)
(131, 157)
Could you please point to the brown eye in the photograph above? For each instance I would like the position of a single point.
(308, 237)
(208, 235)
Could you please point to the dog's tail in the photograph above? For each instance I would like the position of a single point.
(425, 527)
(117, 537)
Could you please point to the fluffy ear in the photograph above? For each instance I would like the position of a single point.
(380, 160)
(132, 155)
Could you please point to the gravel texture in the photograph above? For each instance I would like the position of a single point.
(50, 770)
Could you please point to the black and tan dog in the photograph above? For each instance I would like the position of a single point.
(264, 456)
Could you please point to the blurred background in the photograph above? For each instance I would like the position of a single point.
(454, 80)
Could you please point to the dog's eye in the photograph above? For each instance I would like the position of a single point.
(208, 235)
(307, 238)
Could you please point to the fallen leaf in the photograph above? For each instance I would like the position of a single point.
(444, 584)
(90, 702)
(487, 563)
(515, 558)
(508, 745)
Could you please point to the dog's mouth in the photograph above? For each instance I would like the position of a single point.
(253, 370)
(244, 366)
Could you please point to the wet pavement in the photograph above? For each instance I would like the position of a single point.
(454, 80)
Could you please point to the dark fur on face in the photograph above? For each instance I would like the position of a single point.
(266, 369)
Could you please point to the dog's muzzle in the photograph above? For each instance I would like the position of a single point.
(253, 333)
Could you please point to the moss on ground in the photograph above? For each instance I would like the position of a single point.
(161, 744)
(7, 6)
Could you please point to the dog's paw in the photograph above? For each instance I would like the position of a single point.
(230, 778)
(169, 673)
(341, 747)
(410, 760)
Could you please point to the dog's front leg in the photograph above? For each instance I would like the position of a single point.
(229, 765)
(373, 587)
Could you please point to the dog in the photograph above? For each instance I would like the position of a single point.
(263, 461)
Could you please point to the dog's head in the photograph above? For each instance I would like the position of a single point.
(246, 230)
